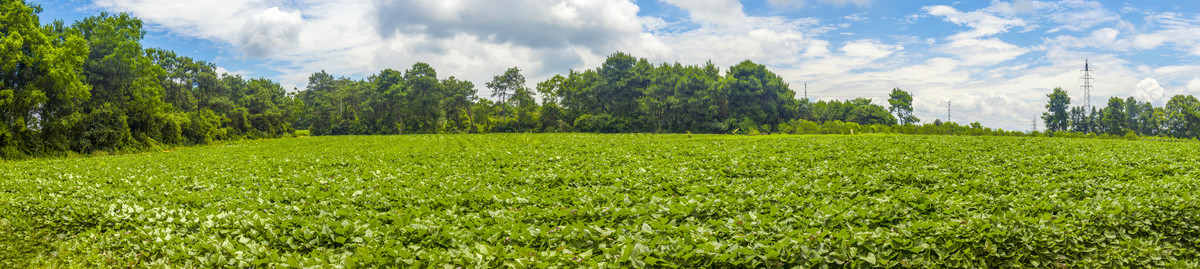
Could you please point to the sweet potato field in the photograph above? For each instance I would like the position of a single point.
(582, 200)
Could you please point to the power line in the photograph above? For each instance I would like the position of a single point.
(1168, 59)
(1168, 75)
(1172, 56)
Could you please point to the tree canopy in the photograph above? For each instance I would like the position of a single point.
(1056, 110)
(901, 105)
(625, 94)
(1179, 118)
(91, 86)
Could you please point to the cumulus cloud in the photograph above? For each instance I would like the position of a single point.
(473, 39)
(727, 46)
(1149, 90)
(1194, 85)
(270, 31)
(207, 19)
(596, 24)
(727, 36)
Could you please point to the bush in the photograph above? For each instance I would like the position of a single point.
(105, 128)
(205, 127)
(602, 123)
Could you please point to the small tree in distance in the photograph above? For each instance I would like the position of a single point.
(506, 85)
(901, 102)
(1056, 114)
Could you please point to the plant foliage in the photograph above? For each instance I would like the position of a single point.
(574, 200)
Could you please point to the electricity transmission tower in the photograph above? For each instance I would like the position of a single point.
(1087, 85)
(947, 111)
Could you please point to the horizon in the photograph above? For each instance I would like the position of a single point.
(996, 60)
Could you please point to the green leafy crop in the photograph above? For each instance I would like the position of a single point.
(574, 200)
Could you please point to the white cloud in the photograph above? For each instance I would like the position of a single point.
(855, 17)
(1149, 90)
(1194, 85)
(1105, 38)
(869, 49)
(1015, 8)
(990, 51)
(981, 21)
(1076, 15)
(269, 31)
(473, 39)
(1149, 41)
(208, 19)
(772, 41)
(530, 23)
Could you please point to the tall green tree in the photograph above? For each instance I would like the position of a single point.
(1056, 117)
(1113, 117)
(389, 101)
(758, 94)
(622, 81)
(1081, 121)
(1183, 116)
(506, 85)
(901, 105)
(41, 88)
(425, 96)
(457, 102)
(551, 114)
(123, 77)
(863, 112)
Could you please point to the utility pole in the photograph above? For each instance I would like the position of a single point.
(1087, 85)
(805, 91)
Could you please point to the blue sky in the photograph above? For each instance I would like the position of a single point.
(994, 61)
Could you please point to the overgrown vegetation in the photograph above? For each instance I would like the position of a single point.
(91, 87)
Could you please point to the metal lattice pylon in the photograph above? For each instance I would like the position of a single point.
(1087, 85)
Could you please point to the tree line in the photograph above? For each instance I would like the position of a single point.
(625, 94)
(1179, 118)
(90, 86)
